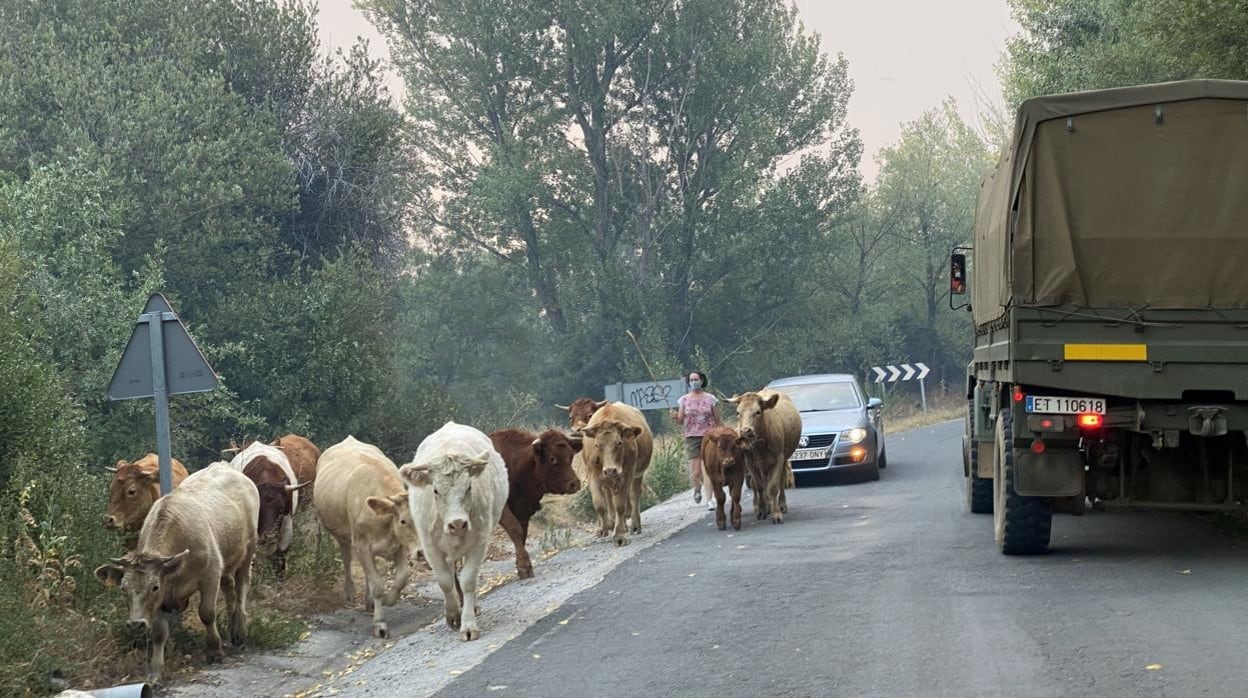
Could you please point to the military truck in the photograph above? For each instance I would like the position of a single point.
(1108, 282)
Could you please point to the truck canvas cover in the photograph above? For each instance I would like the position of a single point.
(1124, 198)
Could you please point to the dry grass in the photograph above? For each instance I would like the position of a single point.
(901, 416)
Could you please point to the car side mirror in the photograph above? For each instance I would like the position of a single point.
(874, 403)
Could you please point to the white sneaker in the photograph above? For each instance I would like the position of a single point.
(710, 504)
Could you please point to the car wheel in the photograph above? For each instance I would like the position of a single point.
(883, 460)
(875, 472)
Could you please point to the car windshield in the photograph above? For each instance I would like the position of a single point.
(818, 397)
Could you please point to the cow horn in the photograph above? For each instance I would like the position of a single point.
(110, 468)
(600, 405)
(536, 443)
(734, 399)
(292, 488)
(119, 561)
(565, 408)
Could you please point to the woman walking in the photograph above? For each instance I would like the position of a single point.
(699, 413)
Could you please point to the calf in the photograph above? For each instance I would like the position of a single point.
(617, 451)
(771, 425)
(362, 502)
(724, 461)
(457, 489)
(201, 539)
(580, 411)
(269, 468)
(536, 465)
(302, 454)
(132, 491)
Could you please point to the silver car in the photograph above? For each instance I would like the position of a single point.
(842, 430)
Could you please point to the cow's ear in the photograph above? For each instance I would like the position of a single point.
(150, 477)
(771, 401)
(109, 575)
(416, 475)
(590, 432)
(399, 500)
(635, 431)
(577, 445)
(381, 506)
(171, 564)
(537, 448)
(476, 465)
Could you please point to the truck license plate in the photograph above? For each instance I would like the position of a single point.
(1065, 405)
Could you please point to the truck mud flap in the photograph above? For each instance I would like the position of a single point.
(1054, 473)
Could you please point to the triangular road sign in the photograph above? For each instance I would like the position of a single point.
(186, 370)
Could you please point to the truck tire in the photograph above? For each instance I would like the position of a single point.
(1021, 524)
(978, 489)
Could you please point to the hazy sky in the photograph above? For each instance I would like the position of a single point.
(905, 56)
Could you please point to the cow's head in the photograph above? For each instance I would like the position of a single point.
(395, 512)
(750, 409)
(553, 452)
(581, 410)
(730, 447)
(131, 494)
(611, 439)
(450, 479)
(275, 502)
(142, 579)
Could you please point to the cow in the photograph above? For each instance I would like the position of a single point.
(302, 454)
(581, 410)
(269, 468)
(617, 450)
(456, 489)
(769, 422)
(362, 502)
(132, 491)
(536, 465)
(725, 458)
(200, 538)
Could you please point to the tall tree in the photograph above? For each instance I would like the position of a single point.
(930, 178)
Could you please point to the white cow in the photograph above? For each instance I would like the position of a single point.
(276, 456)
(457, 488)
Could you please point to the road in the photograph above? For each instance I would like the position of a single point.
(891, 589)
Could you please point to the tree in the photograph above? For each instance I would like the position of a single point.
(929, 178)
(1070, 45)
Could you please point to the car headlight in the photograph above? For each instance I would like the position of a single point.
(853, 436)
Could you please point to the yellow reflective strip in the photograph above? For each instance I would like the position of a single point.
(1106, 352)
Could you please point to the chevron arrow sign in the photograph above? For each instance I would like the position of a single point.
(900, 372)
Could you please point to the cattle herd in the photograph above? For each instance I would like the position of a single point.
(443, 506)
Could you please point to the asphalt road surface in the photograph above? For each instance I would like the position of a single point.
(892, 589)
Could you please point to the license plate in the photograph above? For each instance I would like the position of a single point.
(810, 454)
(1065, 405)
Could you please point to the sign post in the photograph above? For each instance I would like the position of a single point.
(161, 360)
(652, 395)
(894, 372)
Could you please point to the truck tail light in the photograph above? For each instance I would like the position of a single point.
(1037, 447)
(1018, 394)
(1090, 420)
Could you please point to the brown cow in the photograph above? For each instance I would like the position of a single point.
(580, 411)
(770, 423)
(302, 454)
(275, 503)
(279, 495)
(617, 450)
(361, 500)
(725, 457)
(201, 539)
(536, 465)
(135, 487)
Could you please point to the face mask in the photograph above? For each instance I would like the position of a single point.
(696, 385)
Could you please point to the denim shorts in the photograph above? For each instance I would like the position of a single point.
(693, 447)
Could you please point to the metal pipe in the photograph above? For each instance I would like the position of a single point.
(1171, 506)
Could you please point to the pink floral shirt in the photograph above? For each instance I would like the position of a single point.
(699, 413)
